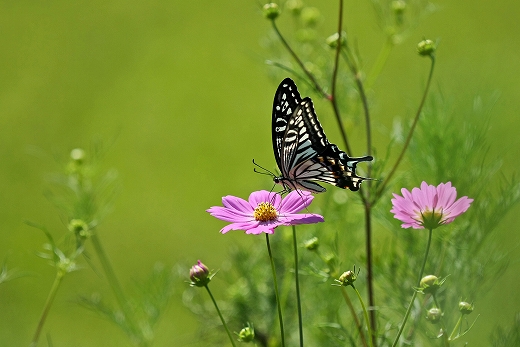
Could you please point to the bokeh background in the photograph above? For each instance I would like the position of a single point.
(179, 93)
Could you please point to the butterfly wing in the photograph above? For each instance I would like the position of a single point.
(286, 100)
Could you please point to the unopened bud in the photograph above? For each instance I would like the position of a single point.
(247, 334)
(310, 16)
(434, 315)
(332, 40)
(312, 244)
(347, 278)
(430, 284)
(271, 11)
(294, 6)
(199, 275)
(80, 228)
(426, 48)
(465, 307)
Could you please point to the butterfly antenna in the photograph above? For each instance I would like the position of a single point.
(266, 172)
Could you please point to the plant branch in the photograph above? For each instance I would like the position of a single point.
(280, 318)
(298, 300)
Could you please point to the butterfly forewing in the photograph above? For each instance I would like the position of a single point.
(285, 102)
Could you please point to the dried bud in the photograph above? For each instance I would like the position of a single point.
(465, 307)
(271, 11)
(312, 244)
(426, 48)
(199, 275)
(434, 315)
(247, 334)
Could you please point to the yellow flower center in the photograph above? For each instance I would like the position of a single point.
(265, 212)
(432, 219)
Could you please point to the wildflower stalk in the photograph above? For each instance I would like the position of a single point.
(409, 309)
(277, 295)
(451, 338)
(298, 300)
(367, 320)
(354, 315)
(298, 60)
(116, 288)
(46, 308)
(410, 133)
(220, 315)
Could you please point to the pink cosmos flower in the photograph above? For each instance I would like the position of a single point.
(429, 206)
(264, 211)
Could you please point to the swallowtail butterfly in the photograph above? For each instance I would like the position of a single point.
(302, 151)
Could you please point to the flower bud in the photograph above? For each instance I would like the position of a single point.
(426, 48)
(465, 307)
(332, 40)
(247, 334)
(80, 228)
(310, 16)
(271, 11)
(430, 284)
(398, 6)
(78, 155)
(312, 244)
(347, 278)
(434, 315)
(199, 275)
(294, 6)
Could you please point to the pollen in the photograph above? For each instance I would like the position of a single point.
(265, 212)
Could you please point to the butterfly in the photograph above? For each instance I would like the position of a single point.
(301, 149)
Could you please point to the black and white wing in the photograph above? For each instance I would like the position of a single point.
(302, 152)
(285, 102)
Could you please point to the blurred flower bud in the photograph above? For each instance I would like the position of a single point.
(80, 228)
(294, 6)
(310, 16)
(271, 11)
(434, 315)
(312, 244)
(78, 155)
(465, 307)
(332, 40)
(430, 284)
(398, 7)
(199, 275)
(426, 48)
(247, 334)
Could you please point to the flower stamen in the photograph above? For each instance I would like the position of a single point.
(265, 212)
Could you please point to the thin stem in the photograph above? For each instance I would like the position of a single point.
(370, 272)
(298, 60)
(298, 300)
(365, 313)
(451, 338)
(380, 62)
(47, 307)
(409, 309)
(220, 315)
(410, 133)
(280, 318)
(354, 315)
(116, 287)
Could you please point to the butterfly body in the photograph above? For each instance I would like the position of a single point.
(302, 152)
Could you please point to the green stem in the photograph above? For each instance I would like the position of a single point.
(117, 289)
(410, 133)
(409, 309)
(367, 320)
(220, 315)
(47, 307)
(280, 318)
(380, 62)
(451, 338)
(354, 315)
(298, 300)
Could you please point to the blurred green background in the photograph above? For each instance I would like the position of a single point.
(180, 93)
